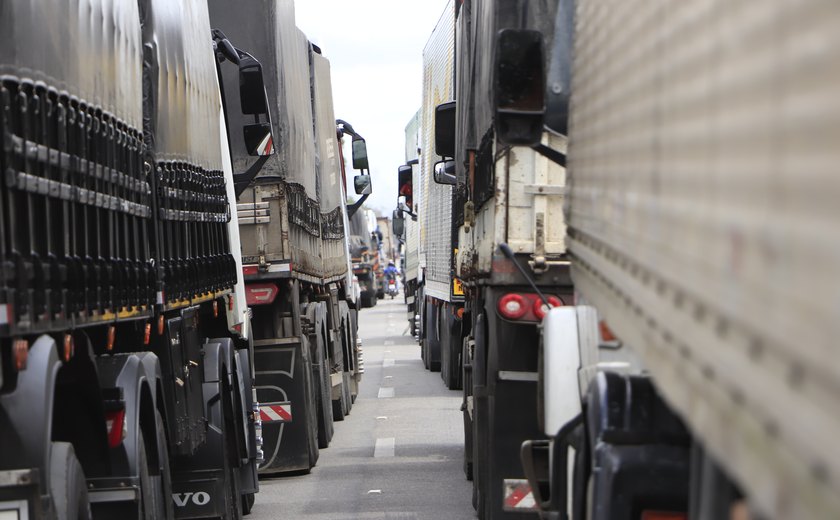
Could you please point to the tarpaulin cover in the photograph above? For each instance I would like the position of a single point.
(327, 143)
(267, 31)
(186, 118)
(89, 48)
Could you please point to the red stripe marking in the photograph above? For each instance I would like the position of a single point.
(282, 413)
(521, 491)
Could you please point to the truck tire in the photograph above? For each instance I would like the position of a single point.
(162, 483)
(231, 471)
(324, 406)
(67, 483)
(150, 502)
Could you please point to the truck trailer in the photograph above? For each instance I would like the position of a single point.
(440, 297)
(126, 385)
(293, 221)
(700, 208)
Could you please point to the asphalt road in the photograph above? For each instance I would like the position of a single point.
(398, 455)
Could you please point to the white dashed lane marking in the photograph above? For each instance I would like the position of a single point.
(384, 447)
(386, 391)
(387, 363)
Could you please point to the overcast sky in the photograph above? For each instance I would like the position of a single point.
(375, 48)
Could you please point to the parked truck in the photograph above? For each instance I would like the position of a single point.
(293, 218)
(690, 376)
(505, 194)
(126, 386)
(365, 256)
(440, 298)
(408, 176)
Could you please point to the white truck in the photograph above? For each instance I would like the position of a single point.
(702, 205)
(440, 297)
(408, 176)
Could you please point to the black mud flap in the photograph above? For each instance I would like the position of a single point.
(199, 494)
(281, 380)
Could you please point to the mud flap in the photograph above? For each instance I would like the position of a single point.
(201, 494)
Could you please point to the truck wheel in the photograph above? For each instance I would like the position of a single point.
(231, 471)
(162, 483)
(149, 501)
(67, 483)
(339, 406)
(324, 406)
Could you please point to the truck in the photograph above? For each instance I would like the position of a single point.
(125, 342)
(293, 222)
(690, 376)
(364, 249)
(408, 230)
(440, 297)
(507, 191)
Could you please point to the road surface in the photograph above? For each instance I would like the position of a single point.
(398, 455)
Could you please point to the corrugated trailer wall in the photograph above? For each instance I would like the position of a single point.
(704, 219)
(436, 202)
(334, 251)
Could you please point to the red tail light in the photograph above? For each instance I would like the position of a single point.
(115, 425)
(261, 293)
(540, 309)
(512, 306)
(606, 332)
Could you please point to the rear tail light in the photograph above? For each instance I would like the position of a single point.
(261, 293)
(512, 306)
(663, 515)
(540, 308)
(459, 312)
(526, 306)
(115, 425)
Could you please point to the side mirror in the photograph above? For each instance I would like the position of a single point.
(519, 86)
(445, 129)
(360, 157)
(445, 172)
(361, 183)
(251, 87)
(404, 187)
(258, 140)
(397, 223)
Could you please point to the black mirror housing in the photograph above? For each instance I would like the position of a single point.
(360, 157)
(444, 173)
(397, 223)
(361, 184)
(445, 129)
(519, 86)
(252, 96)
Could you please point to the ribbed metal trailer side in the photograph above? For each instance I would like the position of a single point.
(704, 219)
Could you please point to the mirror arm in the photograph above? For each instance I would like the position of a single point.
(409, 213)
(241, 181)
(552, 155)
(353, 208)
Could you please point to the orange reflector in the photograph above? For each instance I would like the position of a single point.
(112, 336)
(606, 333)
(663, 515)
(147, 334)
(215, 308)
(68, 347)
(20, 352)
(160, 325)
(230, 303)
(459, 312)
